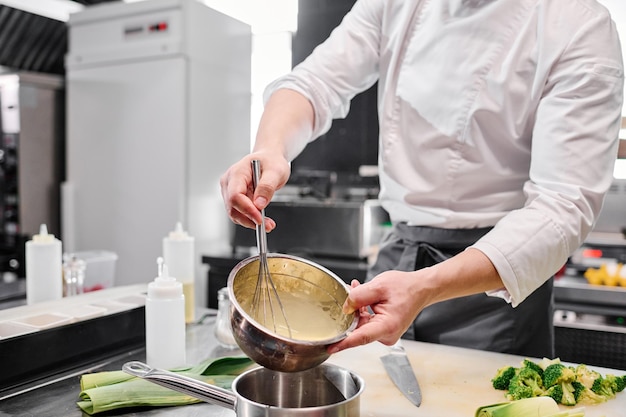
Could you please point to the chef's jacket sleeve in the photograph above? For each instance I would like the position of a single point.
(574, 147)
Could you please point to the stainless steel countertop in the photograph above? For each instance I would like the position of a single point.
(58, 397)
(472, 370)
(575, 291)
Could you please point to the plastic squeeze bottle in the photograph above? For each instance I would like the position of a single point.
(165, 321)
(178, 253)
(44, 257)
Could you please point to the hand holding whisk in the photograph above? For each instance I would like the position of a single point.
(266, 303)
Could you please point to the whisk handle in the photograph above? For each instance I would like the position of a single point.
(260, 228)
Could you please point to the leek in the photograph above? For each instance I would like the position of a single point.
(528, 407)
(231, 365)
(105, 391)
(138, 392)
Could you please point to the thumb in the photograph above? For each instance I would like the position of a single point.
(269, 182)
(363, 295)
(350, 305)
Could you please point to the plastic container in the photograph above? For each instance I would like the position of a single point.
(99, 269)
(223, 331)
(83, 312)
(45, 320)
(12, 329)
(44, 277)
(178, 254)
(165, 321)
(74, 275)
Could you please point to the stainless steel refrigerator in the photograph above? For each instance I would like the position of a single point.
(158, 106)
(31, 161)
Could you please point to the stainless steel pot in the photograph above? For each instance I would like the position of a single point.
(291, 275)
(324, 391)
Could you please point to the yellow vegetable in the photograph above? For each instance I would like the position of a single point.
(611, 275)
(594, 276)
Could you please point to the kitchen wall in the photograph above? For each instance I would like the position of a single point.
(273, 24)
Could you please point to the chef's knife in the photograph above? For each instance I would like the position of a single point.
(399, 369)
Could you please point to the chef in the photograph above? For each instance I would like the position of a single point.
(498, 133)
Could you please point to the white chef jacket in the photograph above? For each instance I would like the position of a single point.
(499, 113)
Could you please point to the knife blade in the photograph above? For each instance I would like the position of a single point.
(399, 369)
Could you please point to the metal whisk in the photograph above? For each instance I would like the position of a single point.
(266, 302)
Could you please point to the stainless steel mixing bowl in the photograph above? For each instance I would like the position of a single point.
(291, 275)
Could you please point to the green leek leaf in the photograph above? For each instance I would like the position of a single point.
(105, 391)
(528, 407)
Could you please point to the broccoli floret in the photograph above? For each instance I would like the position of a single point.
(518, 391)
(579, 388)
(525, 384)
(616, 383)
(556, 374)
(503, 377)
(604, 387)
(555, 392)
(587, 396)
(527, 363)
(567, 385)
(561, 385)
(586, 376)
(532, 379)
(608, 386)
(566, 393)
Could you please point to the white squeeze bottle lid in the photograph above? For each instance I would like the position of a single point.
(164, 286)
(43, 236)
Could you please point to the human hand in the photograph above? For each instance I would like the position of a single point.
(396, 297)
(242, 201)
(395, 303)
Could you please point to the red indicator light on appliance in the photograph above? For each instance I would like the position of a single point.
(158, 27)
(592, 253)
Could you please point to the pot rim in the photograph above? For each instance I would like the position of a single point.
(239, 397)
(235, 302)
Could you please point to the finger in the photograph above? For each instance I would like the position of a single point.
(244, 212)
(368, 294)
(237, 195)
(350, 306)
(269, 182)
(242, 220)
(270, 224)
(363, 295)
(369, 332)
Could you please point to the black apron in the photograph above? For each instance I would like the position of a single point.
(478, 321)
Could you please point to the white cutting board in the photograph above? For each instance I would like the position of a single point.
(454, 381)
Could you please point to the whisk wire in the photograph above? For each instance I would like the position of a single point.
(265, 289)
